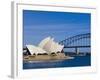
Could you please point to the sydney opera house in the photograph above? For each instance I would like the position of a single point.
(47, 45)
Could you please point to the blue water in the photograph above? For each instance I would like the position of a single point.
(78, 61)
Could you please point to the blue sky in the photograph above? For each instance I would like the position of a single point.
(38, 25)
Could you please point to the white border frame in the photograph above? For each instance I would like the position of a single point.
(17, 35)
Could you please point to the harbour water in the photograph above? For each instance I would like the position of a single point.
(78, 61)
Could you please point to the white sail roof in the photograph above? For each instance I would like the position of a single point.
(33, 49)
(47, 45)
(52, 46)
(55, 47)
(43, 42)
(59, 47)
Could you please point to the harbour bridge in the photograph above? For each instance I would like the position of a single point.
(77, 41)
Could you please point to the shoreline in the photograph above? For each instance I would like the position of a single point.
(59, 56)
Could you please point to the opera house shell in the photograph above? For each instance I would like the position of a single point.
(47, 45)
(35, 50)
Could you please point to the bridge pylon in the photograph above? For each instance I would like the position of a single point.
(77, 50)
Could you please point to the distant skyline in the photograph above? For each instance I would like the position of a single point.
(38, 25)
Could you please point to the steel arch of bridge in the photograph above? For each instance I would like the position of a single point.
(81, 38)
